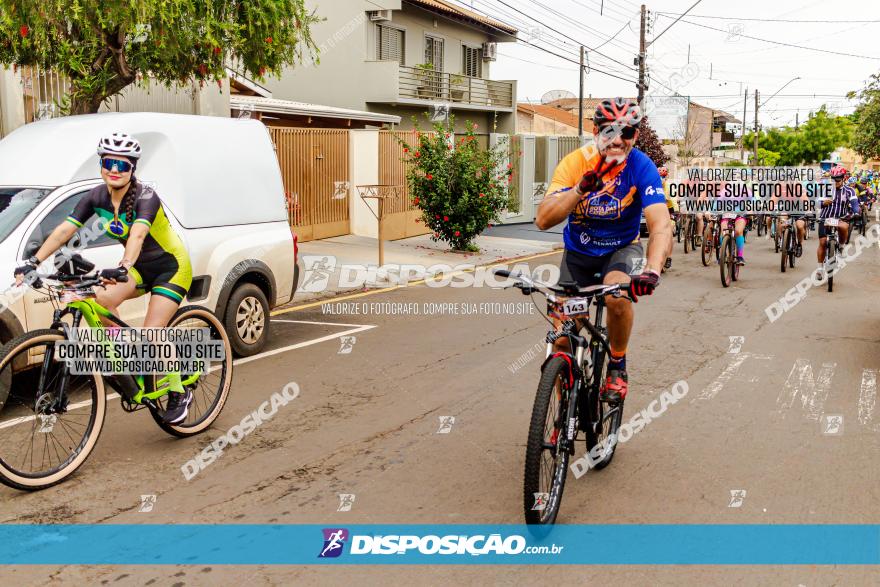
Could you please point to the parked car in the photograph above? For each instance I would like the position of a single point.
(221, 188)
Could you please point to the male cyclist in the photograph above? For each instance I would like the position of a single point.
(602, 190)
(844, 203)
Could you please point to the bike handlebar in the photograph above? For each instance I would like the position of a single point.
(527, 285)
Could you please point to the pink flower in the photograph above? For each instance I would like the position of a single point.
(405, 150)
(457, 233)
(446, 219)
(417, 154)
(482, 195)
(429, 176)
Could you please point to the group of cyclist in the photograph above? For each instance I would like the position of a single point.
(603, 190)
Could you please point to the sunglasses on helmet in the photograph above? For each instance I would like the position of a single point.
(627, 132)
(120, 165)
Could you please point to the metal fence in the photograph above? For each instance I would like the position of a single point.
(315, 170)
(43, 93)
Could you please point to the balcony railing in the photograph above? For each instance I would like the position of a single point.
(439, 86)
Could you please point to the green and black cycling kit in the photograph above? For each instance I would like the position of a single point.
(163, 267)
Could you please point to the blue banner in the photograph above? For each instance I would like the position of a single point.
(440, 544)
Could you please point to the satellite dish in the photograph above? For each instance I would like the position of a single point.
(554, 95)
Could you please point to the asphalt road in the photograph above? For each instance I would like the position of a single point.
(759, 418)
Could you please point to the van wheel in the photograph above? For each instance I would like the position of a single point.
(247, 320)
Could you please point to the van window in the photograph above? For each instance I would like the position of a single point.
(15, 205)
(56, 217)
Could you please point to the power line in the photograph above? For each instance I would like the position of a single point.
(737, 18)
(781, 43)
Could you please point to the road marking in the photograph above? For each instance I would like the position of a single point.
(311, 322)
(303, 344)
(729, 372)
(812, 391)
(299, 345)
(409, 284)
(867, 396)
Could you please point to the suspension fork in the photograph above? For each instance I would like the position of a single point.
(60, 403)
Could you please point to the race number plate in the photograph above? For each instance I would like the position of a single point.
(728, 216)
(576, 306)
(831, 222)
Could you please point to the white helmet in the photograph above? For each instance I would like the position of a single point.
(120, 144)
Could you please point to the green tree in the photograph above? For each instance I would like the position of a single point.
(459, 187)
(103, 46)
(768, 158)
(812, 142)
(650, 144)
(866, 136)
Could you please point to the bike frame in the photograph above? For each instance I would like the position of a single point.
(581, 390)
(91, 311)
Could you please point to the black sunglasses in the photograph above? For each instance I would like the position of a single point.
(627, 132)
(120, 165)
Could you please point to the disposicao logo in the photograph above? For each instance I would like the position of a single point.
(334, 541)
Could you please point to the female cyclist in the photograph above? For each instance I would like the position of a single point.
(154, 254)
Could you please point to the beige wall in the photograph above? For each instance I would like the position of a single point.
(699, 130)
(541, 125)
(348, 74)
(209, 100)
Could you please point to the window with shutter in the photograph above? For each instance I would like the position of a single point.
(389, 43)
(434, 52)
(472, 61)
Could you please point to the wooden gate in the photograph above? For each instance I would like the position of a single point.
(400, 213)
(314, 167)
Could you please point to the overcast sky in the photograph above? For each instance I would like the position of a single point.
(734, 61)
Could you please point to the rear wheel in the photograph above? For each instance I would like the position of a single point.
(247, 320)
(727, 261)
(211, 389)
(546, 454)
(687, 237)
(708, 245)
(786, 246)
(45, 436)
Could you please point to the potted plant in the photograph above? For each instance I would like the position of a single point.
(457, 87)
(426, 80)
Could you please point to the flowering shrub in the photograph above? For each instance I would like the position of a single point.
(459, 187)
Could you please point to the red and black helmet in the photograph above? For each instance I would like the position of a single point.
(838, 171)
(619, 110)
(663, 171)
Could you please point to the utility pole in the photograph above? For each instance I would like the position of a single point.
(642, 57)
(756, 127)
(742, 138)
(796, 117)
(581, 100)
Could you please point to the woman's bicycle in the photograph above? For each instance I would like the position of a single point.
(567, 401)
(50, 418)
(789, 242)
(727, 259)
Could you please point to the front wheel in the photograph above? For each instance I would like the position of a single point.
(828, 256)
(691, 227)
(547, 455)
(210, 389)
(45, 433)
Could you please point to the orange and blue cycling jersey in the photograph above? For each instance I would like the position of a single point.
(608, 219)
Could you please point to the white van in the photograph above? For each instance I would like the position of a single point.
(221, 188)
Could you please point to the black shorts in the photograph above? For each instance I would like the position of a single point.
(166, 276)
(585, 270)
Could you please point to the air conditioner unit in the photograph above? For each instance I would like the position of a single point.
(490, 51)
(379, 15)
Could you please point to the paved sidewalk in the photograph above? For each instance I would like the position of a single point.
(321, 261)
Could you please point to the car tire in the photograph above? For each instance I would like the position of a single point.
(247, 320)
